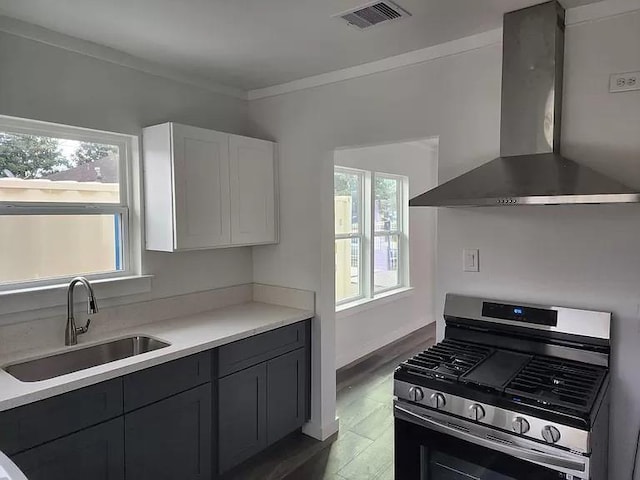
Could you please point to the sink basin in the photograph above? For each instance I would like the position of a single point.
(74, 360)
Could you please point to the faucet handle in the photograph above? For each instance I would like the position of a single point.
(85, 329)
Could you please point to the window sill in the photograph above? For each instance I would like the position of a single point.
(15, 305)
(358, 306)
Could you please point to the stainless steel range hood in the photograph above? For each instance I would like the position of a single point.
(530, 169)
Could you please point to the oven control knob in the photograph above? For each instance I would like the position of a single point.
(438, 400)
(415, 394)
(476, 412)
(550, 434)
(520, 425)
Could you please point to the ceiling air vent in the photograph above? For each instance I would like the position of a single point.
(373, 14)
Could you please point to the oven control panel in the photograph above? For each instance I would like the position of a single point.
(517, 423)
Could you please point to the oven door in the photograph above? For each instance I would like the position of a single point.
(432, 446)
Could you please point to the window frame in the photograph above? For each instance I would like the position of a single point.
(399, 232)
(125, 144)
(361, 235)
(368, 235)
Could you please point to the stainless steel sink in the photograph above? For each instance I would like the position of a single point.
(74, 360)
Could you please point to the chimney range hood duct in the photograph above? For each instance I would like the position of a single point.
(530, 170)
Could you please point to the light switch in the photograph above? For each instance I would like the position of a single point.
(470, 260)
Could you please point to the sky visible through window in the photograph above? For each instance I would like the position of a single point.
(29, 157)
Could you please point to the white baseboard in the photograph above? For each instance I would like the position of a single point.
(365, 349)
(321, 432)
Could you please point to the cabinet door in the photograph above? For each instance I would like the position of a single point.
(242, 416)
(286, 394)
(201, 188)
(171, 439)
(253, 177)
(96, 453)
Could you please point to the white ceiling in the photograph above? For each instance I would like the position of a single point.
(257, 43)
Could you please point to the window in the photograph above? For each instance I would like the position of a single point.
(370, 233)
(64, 211)
(350, 239)
(387, 233)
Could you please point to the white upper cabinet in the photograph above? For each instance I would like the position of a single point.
(253, 179)
(201, 188)
(206, 189)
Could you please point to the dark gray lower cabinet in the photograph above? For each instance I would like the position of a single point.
(260, 405)
(286, 394)
(160, 423)
(96, 453)
(37, 423)
(242, 415)
(171, 439)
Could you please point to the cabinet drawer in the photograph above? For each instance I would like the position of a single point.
(155, 383)
(40, 422)
(259, 348)
(96, 453)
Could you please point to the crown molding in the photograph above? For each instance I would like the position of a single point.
(575, 16)
(30, 31)
(454, 47)
(600, 11)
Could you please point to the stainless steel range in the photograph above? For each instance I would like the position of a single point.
(515, 391)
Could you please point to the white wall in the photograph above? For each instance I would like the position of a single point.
(366, 328)
(43, 82)
(434, 98)
(585, 256)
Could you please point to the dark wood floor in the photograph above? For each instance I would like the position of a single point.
(363, 448)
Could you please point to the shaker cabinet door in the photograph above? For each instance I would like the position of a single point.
(201, 188)
(252, 186)
(286, 394)
(242, 418)
(171, 439)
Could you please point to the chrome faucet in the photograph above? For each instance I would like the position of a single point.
(71, 332)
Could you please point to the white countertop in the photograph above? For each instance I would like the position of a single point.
(187, 335)
(8, 470)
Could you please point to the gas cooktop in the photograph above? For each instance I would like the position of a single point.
(529, 381)
(549, 362)
(546, 383)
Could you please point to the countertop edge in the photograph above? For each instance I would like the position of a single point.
(91, 376)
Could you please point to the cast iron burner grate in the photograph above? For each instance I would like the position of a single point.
(558, 382)
(448, 359)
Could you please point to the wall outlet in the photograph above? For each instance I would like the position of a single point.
(471, 260)
(624, 82)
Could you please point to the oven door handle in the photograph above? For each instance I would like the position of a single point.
(546, 459)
